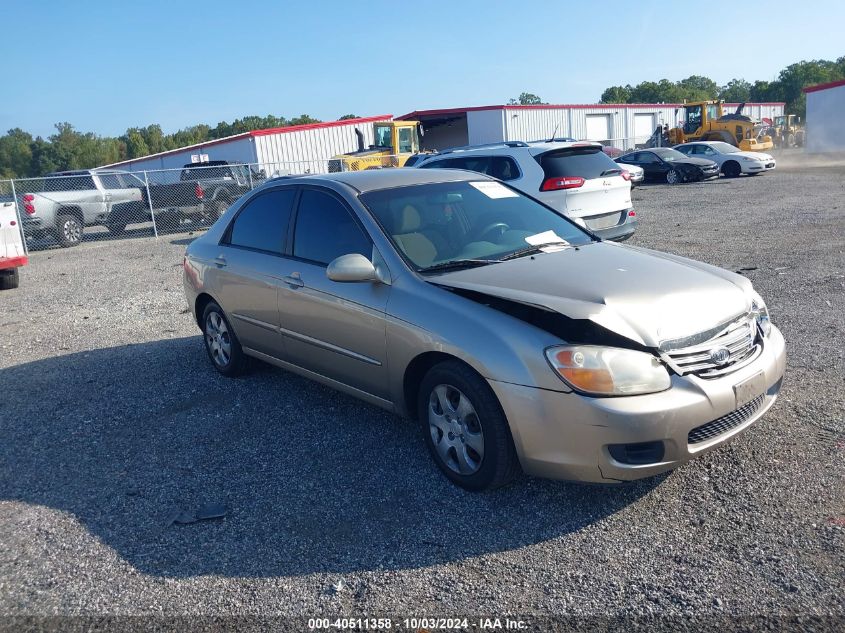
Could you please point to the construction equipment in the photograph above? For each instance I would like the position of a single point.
(704, 121)
(395, 143)
(787, 131)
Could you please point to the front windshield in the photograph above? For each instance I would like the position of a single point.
(383, 136)
(435, 224)
(724, 148)
(669, 155)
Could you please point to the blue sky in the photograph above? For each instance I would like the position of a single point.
(106, 66)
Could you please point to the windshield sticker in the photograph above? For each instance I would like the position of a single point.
(494, 190)
(547, 238)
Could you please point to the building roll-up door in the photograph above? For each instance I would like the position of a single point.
(598, 127)
(643, 127)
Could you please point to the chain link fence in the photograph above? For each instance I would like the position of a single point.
(69, 208)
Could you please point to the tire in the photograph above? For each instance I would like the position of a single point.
(790, 140)
(221, 344)
(11, 280)
(218, 208)
(465, 428)
(673, 177)
(68, 230)
(117, 227)
(731, 169)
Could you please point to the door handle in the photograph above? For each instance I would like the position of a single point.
(220, 261)
(294, 280)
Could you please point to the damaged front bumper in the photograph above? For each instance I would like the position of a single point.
(568, 436)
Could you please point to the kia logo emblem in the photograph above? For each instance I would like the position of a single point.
(720, 355)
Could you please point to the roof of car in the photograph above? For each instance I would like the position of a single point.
(374, 179)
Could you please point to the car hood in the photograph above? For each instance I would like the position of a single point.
(645, 296)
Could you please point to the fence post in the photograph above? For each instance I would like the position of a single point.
(150, 203)
(249, 171)
(20, 219)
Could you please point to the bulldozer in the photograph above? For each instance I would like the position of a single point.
(705, 121)
(395, 143)
(787, 131)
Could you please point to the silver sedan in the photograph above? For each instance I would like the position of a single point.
(515, 338)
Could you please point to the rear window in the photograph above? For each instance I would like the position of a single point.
(585, 162)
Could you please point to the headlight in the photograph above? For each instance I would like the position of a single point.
(760, 313)
(748, 159)
(608, 371)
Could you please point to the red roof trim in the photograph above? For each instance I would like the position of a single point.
(317, 126)
(570, 106)
(828, 85)
(254, 133)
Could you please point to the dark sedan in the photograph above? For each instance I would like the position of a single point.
(670, 165)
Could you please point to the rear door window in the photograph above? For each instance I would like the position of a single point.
(326, 229)
(263, 222)
(583, 162)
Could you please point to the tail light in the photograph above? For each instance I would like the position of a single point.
(199, 191)
(632, 214)
(567, 182)
(626, 175)
(28, 199)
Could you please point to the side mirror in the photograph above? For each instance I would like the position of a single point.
(351, 268)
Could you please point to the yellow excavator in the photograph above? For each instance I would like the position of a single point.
(704, 121)
(395, 143)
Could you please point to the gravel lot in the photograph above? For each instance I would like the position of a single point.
(112, 422)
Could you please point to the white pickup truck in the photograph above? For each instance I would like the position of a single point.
(12, 253)
(64, 203)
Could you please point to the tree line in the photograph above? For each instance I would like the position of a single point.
(22, 155)
(786, 88)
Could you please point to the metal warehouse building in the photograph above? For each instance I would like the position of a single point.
(825, 105)
(297, 147)
(619, 124)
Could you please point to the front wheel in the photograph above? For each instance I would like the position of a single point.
(68, 230)
(465, 428)
(731, 169)
(221, 343)
(673, 177)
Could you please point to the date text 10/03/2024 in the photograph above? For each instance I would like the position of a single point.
(417, 624)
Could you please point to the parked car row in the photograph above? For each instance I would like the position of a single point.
(697, 161)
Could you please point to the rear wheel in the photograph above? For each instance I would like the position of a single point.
(68, 230)
(465, 428)
(9, 279)
(221, 343)
(673, 177)
(117, 227)
(731, 169)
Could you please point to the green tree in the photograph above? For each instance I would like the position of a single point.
(526, 98)
(346, 117)
(616, 94)
(15, 154)
(736, 91)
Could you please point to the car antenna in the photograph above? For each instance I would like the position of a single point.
(554, 133)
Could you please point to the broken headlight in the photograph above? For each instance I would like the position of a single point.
(760, 313)
(608, 371)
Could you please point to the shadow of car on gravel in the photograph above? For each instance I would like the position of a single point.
(313, 481)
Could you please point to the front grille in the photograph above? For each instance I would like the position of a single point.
(606, 220)
(738, 337)
(727, 422)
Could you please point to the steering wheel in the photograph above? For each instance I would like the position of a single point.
(501, 227)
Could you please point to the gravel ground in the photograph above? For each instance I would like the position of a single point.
(112, 422)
